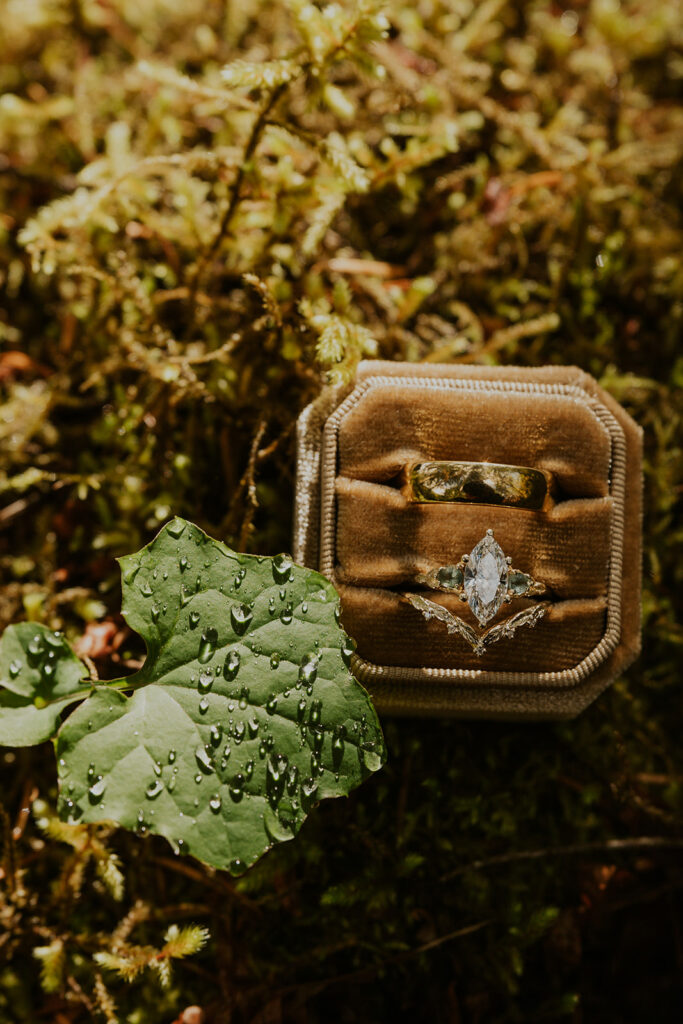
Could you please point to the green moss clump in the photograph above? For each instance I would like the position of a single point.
(208, 210)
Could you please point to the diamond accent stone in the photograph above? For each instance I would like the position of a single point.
(486, 576)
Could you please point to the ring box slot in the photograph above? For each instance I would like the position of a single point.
(549, 432)
(384, 540)
(355, 523)
(566, 635)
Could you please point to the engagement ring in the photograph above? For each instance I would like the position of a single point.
(485, 580)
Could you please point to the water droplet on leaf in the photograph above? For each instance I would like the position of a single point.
(348, 647)
(308, 669)
(286, 614)
(176, 528)
(282, 568)
(204, 760)
(240, 616)
(205, 681)
(207, 645)
(232, 665)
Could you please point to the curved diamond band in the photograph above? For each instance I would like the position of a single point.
(484, 483)
(484, 579)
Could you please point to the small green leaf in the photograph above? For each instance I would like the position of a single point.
(39, 677)
(243, 716)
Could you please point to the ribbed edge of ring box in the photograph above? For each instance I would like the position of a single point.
(482, 692)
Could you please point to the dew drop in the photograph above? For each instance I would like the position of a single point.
(317, 734)
(204, 760)
(194, 619)
(282, 568)
(176, 528)
(338, 737)
(184, 563)
(171, 756)
(232, 665)
(244, 698)
(249, 769)
(292, 779)
(207, 645)
(286, 614)
(155, 612)
(237, 866)
(154, 789)
(275, 776)
(35, 646)
(274, 659)
(314, 714)
(215, 735)
(240, 616)
(371, 759)
(304, 608)
(146, 589)
(205, 681)
(301, 709)
(203, 705)
(348, 647)
(239, 732)
(130, 573)
(309, 788)
(271, 704)
(253, 726)
(15, 668)
(215, 803)
(308, 669)
(236, 787)
(96, 791)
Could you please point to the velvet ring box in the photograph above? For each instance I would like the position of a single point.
(354, 524)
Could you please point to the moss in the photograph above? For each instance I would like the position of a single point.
(184, 258)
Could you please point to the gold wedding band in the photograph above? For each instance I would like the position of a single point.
(484, 483)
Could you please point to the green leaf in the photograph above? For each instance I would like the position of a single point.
(39, 677)
(243, 716)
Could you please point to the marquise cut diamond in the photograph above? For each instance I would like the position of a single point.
(486, 575)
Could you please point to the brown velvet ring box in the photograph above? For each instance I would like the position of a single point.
(353, 522)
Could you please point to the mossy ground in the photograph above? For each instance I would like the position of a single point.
(178, 274)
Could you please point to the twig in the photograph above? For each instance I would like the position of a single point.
(30, 794)
(603, 846)
(235, 195)
(250, 484)
(368, 972)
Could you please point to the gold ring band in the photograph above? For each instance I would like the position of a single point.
(484, 483)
